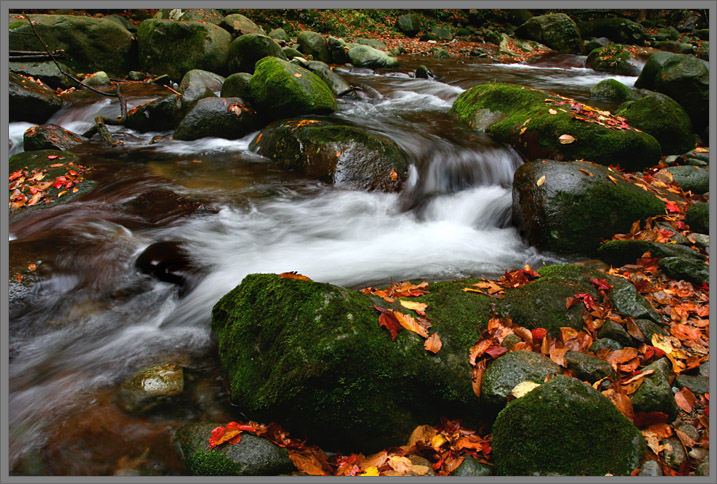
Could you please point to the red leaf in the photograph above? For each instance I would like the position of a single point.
(538, 334)
(601, 283)
(496, 351)
(16, 174)
(52, 157)
(645, 419)
(672, 208)
(388, 320)
(588, 300)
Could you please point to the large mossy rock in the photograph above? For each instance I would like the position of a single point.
(47, 71)
(503, 110)
(613, 89)
(229, 118)
(556, 30)
(91, 44)
(651, 69)
(246, 50)
(409, 24)
(617, 29)
(236, 85)
(340, 154)
(698, 218)
(691, 178)
(655, 393)
(50, 137)
(30, 101)
(565, 427)
(174, 48)
(685, 78)
(663, 118)
(281, 89)
(252, 456)
(621, 252)
(560, 208)
(314, 44)
(367, 56)
(613, 58)
(313, 356)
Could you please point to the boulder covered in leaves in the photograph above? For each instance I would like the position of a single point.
(218, 117)
(543, 125)
(50, 137)
(613, 58)
(565, 427)
(280, 89)
(340, 154)
(251, 456)
(570, 207)
(31, 101)
(246, 50)
(556, 30)
(174, 48)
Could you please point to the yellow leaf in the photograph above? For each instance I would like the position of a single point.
(566, 139)
(297, 74)
(522, 130)
(371, 471)
(552, 111)
(438, 440)
(540, 181)
(612, 179)
(410, 323)
(523, 388)
(419, 307)
(702, 150)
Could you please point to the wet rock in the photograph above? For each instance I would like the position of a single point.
(161, 114)
(280, 89)
(150, 387)
(409, 24)
(704, 370)
(617, 29)
(442, 33)
(613, 58)
(91, 43)
(237, 25)
(616, 332)
(510, 369)
(46, 71)
(613, 89)
(629, 302)
(236, 85)
(688, 429)
(252, 456)
(649, 328)
(683, 268)
(30, 101)
(588, 367)
(175, 48)
(314, 44)
(596, 43)
(691, 178)
(571, 212)
(566, 428)
(674, 453)
(198, 84)
(472, 467)
(651, 468)
(423, 72)
(503, 110)
(518, 16)
(336, 83)
(655, 393)
(136, 76)
(698, 454)
(651, 69)
(663, 118)
(338, 49)
(279, 34)
(364, 160)
(697, 218)
(50, 137)
(226, 117)
(292, 53)
(246, 50)
(703, 469)
(439, 53)
(676, 47)
(604, 343)
(160, 206)
(367, 56)
(620, 252)
(557, 31)
(97, 79)
(167, 261)
(685, 79)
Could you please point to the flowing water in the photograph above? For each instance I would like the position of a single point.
(93, 318)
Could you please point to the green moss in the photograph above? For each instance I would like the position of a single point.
(208, 463)
(15, 25)
(565, 427)
(612, 89)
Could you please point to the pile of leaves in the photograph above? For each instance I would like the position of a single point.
(44, 185)
(588, 114)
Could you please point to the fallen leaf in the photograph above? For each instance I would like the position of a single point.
(672, 208)
(685, 399)
(393, 174)
(293, 275)
(433, 343)
(389, 321)
(297, 74)
(552, 111)
(310, 461)
(523, 388)
(411, 324)
(52, 157)
(585, 171)
(400, 464)
(540, 181)
(419, 307)
(371, 471)
(32, 267)
(522, 130)
(557, 355)
(423, 434)
(621, 356)
(566, 139)
(477, 376)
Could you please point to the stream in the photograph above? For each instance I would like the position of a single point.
(94, 319)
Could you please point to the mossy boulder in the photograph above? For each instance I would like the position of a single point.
(229, 118)
(281, 89)
(556, 30)
(91, 43)
(367, 56)
(676, 47)
(698, 218)
(409, 24)
(338, 48)
(663, 118)
(688, 269)
(252, 456)
(340, 154)
(50, 137)
(503, 110)
(691, 178)
(150, 387)
(565, 427)
(621, 252)
(238, 25)
(174, 48)
(336, 83)
(613, 89)
(313, 356)
(161, 114)
(198, 84)
(613, 58)
(30, 101)
(510, 369)
(651, 69)
(617, 29)
(685, 78)
(246, 50)
(236, 85)
(560, 208)
(315, 45)
(47, 71)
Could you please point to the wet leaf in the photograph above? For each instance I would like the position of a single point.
(477, 376)
(433, 343)
(622, 356)
(52, 157)
(557, 355)
(566, 139)
(540, 181)
(538, 334)
(522, 130)
(389, 321)
(601, 283)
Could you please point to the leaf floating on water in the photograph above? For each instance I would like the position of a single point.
(540, 181)
(566, 139)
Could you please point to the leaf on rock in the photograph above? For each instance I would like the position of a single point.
(312, 461)
(477, 376)
(393, 175)
(433, 343)
(390, 322)
(685, 399)
(566, 139)
(540, 181)
(496, 351)
(419, 307)
(400, 464)
(672, 208)
(601, 283)
(585, 171)
(523, 388)
(293, 275)
(410, 323)
(422, 434)
(552, 111)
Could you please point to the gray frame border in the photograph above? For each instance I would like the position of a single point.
(710, 5)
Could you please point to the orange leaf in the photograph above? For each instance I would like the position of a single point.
(400, 464)
(558, 356)
(310, 461)
(293, 275)
(621, 356)
(32, 267)
(471, 442)
(297, 74)
(411, 324)
(477, 376)
(612, 179)
(685, 399)
(540, 181)
(420, 308)
(433, 343)
(389, 321)
(423, 434)
(478, 349)
(586, 172)
(393, 175)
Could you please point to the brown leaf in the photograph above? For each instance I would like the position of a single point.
(293, 275)
(477, 376)
(685, 399)
(32, 267)
(622, 402)
(433, 343)
(622, 356)
(311, 461)
(297, 74)
(400, 464)
(586, 172)
(558, 356)
(374, 460)
(423, 434)
(478, 349)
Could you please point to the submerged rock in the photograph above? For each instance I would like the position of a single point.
(565, 427)
(150, 387)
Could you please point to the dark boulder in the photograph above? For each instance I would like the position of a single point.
(31, 101)
(619, 30)
(229, 118)
(247, 49)
(314, 44)
(50, 137)
(556, 30)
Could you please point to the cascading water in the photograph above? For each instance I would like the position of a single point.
(95, 318)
